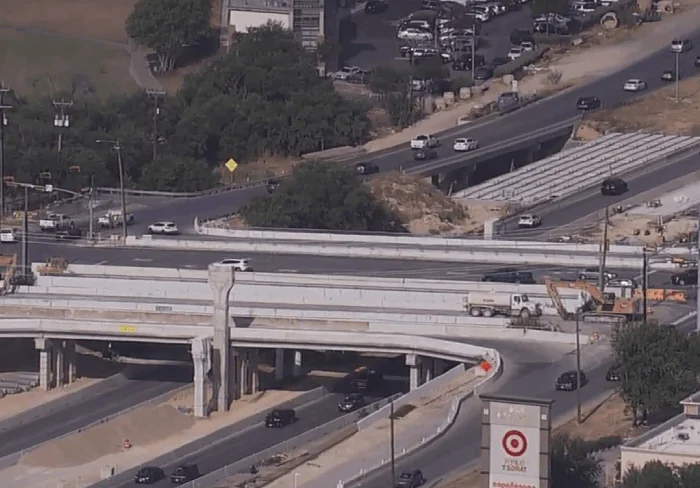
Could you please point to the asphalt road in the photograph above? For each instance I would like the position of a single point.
(140, 389)
(254, 440)
(461, 445)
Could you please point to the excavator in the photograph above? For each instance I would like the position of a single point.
(607, 307)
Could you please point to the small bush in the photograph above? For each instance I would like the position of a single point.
(554, 77)
(524, 60)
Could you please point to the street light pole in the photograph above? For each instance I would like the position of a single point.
(25, 233)
(393, 450)
(156, 111)
(678, 77)
(578, 367)
(90, 205)
(117, 147)
(3, 123)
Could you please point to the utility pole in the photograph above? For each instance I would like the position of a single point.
(3, 123)
(697, 285)
(117, 147)
(155, 94)
(578, 368)
(678, 78)
(393, 453)
(25, 234)
(603, 254)
(90, 205)
(61, 120)
(645, 284)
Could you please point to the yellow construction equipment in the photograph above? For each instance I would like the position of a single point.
(53, 266)
(608, 307)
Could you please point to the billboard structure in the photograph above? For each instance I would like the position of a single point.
(515, 437)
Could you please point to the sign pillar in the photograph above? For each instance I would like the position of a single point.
(515, 442)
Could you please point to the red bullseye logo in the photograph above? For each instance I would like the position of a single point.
(514, 443)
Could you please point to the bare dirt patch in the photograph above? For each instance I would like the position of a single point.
(95, 19)
(657, 112)
(642, 229)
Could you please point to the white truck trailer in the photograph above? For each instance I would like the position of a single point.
(488, 304)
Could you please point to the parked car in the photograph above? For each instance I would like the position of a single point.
(414, 34)
(688, 277)
(622, 282)
(344, 73)
(527, 46)
(508, 275)
(71, 233)
(352, 402)
(366, 168)
(635, 85)
(681, 45)
(529, 221)
(588, 103)
(515, 52)
(184, 474)
(9, 236)
(375, 7)
(463, 144)
(464, 63)
(167, 228)
(594, 273)
(425, 154)
(238, 264)
(569, 381)
(482, 74)
(149, 475)
(424, 141)
(273, 185)
(613, 186)
(411, 479)
(668, 75)
(279, 418)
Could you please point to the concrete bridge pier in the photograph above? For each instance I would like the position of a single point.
(279, 365)
(427, 370)
(221, 280)
(247, 361)
(46, 364)
(415, 373)
(201, 357)
(297, 366)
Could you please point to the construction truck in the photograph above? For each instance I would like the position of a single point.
(606, 307)
(494, 303)
(113, 218)
(54, 222)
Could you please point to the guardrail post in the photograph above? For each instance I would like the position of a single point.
(221, 280)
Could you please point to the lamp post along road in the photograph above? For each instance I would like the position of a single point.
(156, 94)
(117, 147)
(3, 123)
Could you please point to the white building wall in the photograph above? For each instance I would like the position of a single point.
(242, 20)
(635, 457)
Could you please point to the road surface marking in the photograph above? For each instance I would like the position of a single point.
(288, 270)
(649, 273)
(142, 260)
(101, 263)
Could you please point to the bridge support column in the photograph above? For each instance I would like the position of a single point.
(240, 366)
(201, 357)
(427, 369)
(221, 280)
(253, 371)
(45, 363)
(413, 362)
(70, 359)
(279, 365)
(435, 180)
(297, 367)
(60, 363)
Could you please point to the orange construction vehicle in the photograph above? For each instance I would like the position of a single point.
(607, 307)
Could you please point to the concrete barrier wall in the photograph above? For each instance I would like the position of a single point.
(426, 389)
(451, 254)
(214, 438)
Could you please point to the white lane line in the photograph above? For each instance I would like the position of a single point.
(649, 273)
(142, 260)
(101, 263)
(288, 270)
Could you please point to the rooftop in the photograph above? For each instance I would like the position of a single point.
(683, 438)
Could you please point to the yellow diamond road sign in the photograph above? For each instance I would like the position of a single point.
(231, 165)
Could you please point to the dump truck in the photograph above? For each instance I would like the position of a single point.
(606, 306)
(54, 222)
(494, 303)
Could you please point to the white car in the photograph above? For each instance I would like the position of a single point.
(622, 282)
(527, 46)
(412, 34)
(345, 72)
(481, 13)
(10, 236)
(635, 85)
(529, 221)
(515, 53)
(681, 45)
(424, 142)
(167, 228)
(463, 144)
(238, 264)
(551, 17)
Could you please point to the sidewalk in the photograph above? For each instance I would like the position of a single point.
(370, 446)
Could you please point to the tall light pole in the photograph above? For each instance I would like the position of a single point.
(578, 367)
(393, 447)
(155, 94)
(3, 123)
(678, 77)
(61, 119)
(118, 148)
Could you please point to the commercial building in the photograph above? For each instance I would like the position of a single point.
(312, 21)
(675, 442)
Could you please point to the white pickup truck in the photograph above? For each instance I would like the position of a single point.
(494, 303)
(424, 142)
(113, 218)
(54, 222)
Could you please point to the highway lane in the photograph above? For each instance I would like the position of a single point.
(461, 445)
(253, 440)
(139, 389)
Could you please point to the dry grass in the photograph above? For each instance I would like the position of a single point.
(632, 226)
(656, 112)
(607, 419)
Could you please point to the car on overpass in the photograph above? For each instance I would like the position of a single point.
(463, 144)
(411, 479)
(424, 142)
(163, 228)
(509, 275)
(529, 221)
(594, 273)
(238, 264)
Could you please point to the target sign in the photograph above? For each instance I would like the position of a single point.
(514, 443)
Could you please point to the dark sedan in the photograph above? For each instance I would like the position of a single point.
(425, 154)
(568, 381)
(184, 474)
(366, 168)
(668, 75)
(613, 375)
(375, 7)
(149, 475)
(588, 103)
(352, 402)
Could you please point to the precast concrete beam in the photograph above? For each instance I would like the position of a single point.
(70, 359)
(60, 363)
(221, 281)
(413, 361)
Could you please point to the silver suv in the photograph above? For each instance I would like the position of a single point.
(238, 264)
(593, 274)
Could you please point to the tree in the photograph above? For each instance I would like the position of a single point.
(572, 463)
(172, 173)
(167, 26)
(321, 196)
(654, 474)
(654, 365)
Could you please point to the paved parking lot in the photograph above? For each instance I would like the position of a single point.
(370, 40)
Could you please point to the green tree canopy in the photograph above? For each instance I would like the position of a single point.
(321, 196)
(167, 26)
(655, 474)
(655, 367)
(573, 465)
